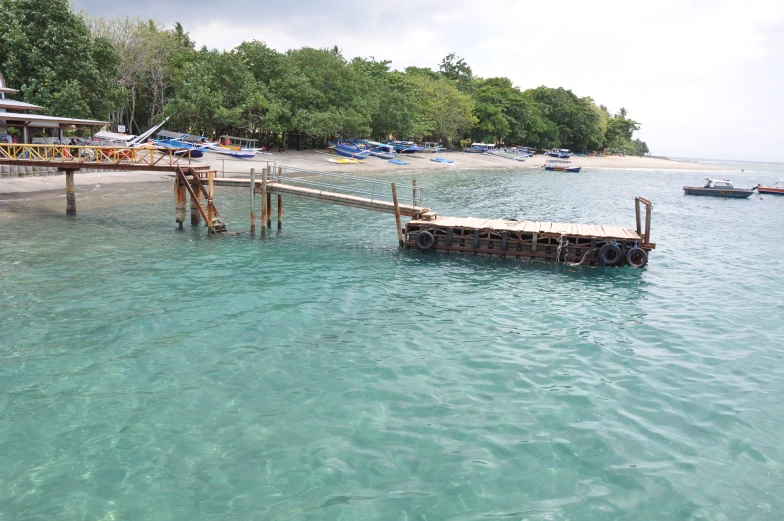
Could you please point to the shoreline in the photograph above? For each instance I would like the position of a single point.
(12, 188)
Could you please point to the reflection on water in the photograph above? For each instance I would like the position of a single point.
(323, 374)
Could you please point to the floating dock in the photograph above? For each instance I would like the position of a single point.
(559, 242)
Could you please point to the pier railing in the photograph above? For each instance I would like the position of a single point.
(91, 155)
(367, 188)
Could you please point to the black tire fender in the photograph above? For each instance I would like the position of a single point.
(637, 257)
(425, 241)
(610, 254)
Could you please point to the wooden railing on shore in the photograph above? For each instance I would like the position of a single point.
(145, 156)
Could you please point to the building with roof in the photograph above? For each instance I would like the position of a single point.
(18, 114)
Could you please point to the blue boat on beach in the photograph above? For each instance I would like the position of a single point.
(183, 144)
(350, 151)
(718, 188)
(405, 147)
(380, 150)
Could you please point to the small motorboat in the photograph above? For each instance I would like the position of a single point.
(718, 188)
(777, 188)
(562, 153)
(561, 166)
(398, 162)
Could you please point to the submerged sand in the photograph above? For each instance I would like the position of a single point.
(316, 160)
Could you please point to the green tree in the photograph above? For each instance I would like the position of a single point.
(444, 113)
(578, 121)
(618, 135)
(48, 53)
(456, 69)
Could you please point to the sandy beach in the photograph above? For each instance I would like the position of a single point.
(312, 160)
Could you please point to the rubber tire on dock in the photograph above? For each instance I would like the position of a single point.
(425, 241)
(637, 257)
(610, 250)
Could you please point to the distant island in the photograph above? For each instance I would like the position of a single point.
(134, 72)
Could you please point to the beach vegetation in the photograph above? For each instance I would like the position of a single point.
(135, 71)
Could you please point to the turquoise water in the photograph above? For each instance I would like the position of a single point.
(324, 374)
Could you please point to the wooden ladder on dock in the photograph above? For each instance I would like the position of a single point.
(194, 186)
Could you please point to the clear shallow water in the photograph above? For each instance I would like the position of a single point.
(151, 374)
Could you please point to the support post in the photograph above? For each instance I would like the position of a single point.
(415, 193)
(397, 216)
(280, 202)
(195, 215)
(648, 212)
(253, 201)
(210, 198)
(179, 200)
(70, 195)
(269, 210)
(264, 205)
(637, 213)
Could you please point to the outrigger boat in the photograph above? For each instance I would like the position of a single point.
(777, 188)
(479, 148)
(718, 188)
(509, 155)
(561, 153)
(560, 166)
(405, 147)
(184, 145)
(350, 151)
(380, 150)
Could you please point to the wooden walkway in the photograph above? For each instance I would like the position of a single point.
(341, 199)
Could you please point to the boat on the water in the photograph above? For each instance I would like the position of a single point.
(350, 151)
(718, 188)
(777, 188)
(561, 166)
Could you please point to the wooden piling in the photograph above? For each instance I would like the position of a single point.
(264, 204)
(280, 203)
(70, 194)
(269, 210)
(179, 201)
(413, 203)
(195, 215)
(252, 201)
(210, 199)
(397, 215)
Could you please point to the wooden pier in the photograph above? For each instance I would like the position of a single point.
(577, 244)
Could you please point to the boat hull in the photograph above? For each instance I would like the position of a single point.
(768, 190)
(574, 169)
(734, 193)
(350, 152)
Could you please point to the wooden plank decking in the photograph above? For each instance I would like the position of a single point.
(500, 225)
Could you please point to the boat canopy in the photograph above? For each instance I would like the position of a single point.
(243, 139)
(558, 162)
(483, 145)
(193, 139)
(171, 135)
(724, 183)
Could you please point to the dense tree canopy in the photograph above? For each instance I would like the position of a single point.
(135, 72)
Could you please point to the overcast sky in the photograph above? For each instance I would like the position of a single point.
(705, 78)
